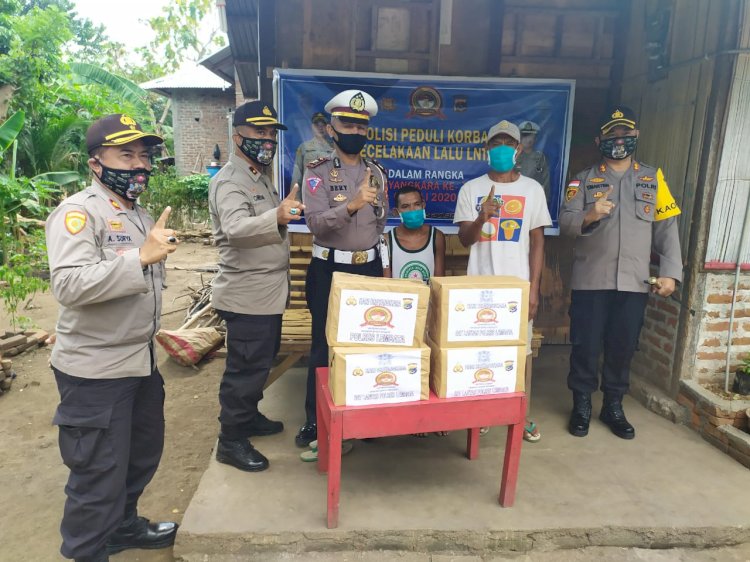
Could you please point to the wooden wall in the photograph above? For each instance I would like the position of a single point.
(515, 38)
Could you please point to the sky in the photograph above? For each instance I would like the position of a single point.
(125, 21)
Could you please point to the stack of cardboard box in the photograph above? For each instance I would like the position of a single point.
(376, 335)
(478, 335)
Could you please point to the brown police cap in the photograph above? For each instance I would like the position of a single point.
(617, 115)
(257, 113)
(115, 130)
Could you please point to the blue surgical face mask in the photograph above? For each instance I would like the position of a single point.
(413, 219)
(502, 158)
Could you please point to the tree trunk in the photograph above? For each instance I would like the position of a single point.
(6, 94)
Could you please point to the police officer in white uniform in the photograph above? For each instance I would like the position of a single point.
(106, 259)
(346, 210)
(619, 212)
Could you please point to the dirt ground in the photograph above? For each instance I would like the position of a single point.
(32, 475)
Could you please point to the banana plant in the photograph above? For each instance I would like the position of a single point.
(9, 131)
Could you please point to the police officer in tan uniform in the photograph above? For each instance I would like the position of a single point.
(106, 259)
(319, 146)
(530, 162)
(619, 212)
(346, 210)
(252, 288)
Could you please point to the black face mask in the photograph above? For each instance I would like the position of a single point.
(128, 184)
(350, 144)
(610, 149)
(260, 150)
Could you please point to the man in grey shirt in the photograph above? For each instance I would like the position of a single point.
(619, 211)
(252, 288)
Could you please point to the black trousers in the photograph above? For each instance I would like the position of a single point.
(608, 321)
(111, 435)
(252, 342)
(317, 290)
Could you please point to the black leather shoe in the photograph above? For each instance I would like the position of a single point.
(139, 532)
(307, 434)
(261, 425)
(613, 415)
(580, 417)
(239, 453)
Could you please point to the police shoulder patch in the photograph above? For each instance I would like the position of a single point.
(75, 221)
(318, 161)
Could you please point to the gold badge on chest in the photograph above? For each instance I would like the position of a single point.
(335, 176)
(340, 197)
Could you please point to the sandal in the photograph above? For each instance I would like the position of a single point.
(531, 433)
(312, 454)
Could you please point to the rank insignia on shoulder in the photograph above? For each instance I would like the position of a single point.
(340, 197)
(115, 204)
(75, 221)
(318, 161)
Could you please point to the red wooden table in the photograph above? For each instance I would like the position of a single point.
(336, 423)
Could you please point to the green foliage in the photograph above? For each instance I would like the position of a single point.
(188, 197)
(24, 275)
(9, 130)
(176, 36)
(127, 91)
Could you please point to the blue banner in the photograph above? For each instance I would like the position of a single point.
(430, 130)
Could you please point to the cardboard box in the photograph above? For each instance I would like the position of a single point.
(361, 376)
(476, 371)
(376, 311)
(469, 311)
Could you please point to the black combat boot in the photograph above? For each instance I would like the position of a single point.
(581, 414)
(261, 425)
(239, 453)
(139, 532)
(614, 417)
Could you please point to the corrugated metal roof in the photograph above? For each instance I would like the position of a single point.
(191, 77)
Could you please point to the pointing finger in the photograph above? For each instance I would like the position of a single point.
(491, 196)
(162, 222)
(293, 192)
(609, 192)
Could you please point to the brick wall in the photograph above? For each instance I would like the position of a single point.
(654, 359)
(711, 346)
(199, 119)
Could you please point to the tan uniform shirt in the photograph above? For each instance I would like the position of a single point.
(306, 153)
(326, 189)
(615, 253)
(534, 165)
(109, 306)
(253, 247)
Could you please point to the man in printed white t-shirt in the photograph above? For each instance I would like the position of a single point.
(501, 216)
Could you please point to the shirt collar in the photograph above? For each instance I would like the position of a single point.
(104, 193)
(245, 166)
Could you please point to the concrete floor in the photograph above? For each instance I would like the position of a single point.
(666, 488)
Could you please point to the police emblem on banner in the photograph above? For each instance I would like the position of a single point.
(426, 101)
